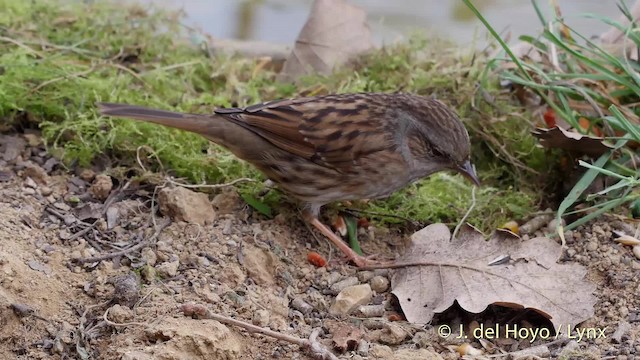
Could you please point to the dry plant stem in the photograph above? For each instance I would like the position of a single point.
(210, 186)
(114, 324)
(466, 215)
(135, 247)
(318, 351)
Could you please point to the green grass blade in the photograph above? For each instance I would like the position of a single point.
(578, 189)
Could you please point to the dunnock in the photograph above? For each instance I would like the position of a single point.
(334, 147)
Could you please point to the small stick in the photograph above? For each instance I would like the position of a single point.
(466, 215)
(318, 351)
(209, 186)
(135, 247)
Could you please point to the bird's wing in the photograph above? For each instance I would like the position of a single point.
(334, 131)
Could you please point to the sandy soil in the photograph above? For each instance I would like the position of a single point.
(217, 254)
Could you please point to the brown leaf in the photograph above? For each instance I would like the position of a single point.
(570, 140)
(459, 270)
(334, 34)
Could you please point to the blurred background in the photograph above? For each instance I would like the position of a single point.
(279, 21)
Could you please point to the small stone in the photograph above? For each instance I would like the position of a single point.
(101, 187)
(120, 314)
(127, 290)
(369, 311)
(36, 173)
(364, 276)
(227, 202)
(393, 335)
(113, 215)
(377, 351)
(301, 305)
(342, 284)
(28, 182)
(363, 348)
(168, 269)
(62, 206)
(46, 191)
(28, 191)
(350, 298)
(553, 224)
(69, 219)
(149, 256)
(226, 228)
(185, 205)
(87, 175)
(592, 245)
(379, 284)
(261, 318)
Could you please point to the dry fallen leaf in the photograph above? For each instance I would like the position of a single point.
(334, 34)
(570, 140)
(459, 270)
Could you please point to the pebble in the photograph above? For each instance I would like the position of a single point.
(350, 298)
(168, 269)
(364, 276)
(149, 256)
(370, 311)
(333, 278)
(261, 318)
(363, 348)
(592, 245)
(87, 175)
(62, 206)
(393, 334)
(301, 305)
(381, 272)
(343, 284)
(46, 191)
(226, 228)
(69, 219)
(28, 191)
(379, 284)
(380, 352)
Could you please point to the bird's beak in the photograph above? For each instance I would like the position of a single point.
(468, 170)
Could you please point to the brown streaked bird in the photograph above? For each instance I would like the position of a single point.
(332, 148)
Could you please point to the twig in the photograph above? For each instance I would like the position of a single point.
(466, 215)
(318, 351)
(209, 186)
(135, 247)
(115, 324)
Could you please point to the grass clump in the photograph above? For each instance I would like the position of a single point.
(57, 62)
(594, 90)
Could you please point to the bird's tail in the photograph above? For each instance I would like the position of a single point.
(190, 122)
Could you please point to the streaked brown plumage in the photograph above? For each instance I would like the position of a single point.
(335, 147)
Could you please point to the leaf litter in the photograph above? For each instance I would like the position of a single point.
(463, 270)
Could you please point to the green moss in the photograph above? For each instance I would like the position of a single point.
(56, 62)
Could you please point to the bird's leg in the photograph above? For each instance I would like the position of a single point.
(324, 229)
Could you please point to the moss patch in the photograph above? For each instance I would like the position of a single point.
(55, 63)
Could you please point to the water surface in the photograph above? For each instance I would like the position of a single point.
(280, 20)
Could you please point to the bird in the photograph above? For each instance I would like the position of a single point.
(330, 148)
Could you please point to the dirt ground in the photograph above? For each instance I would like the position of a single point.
(213, 252)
